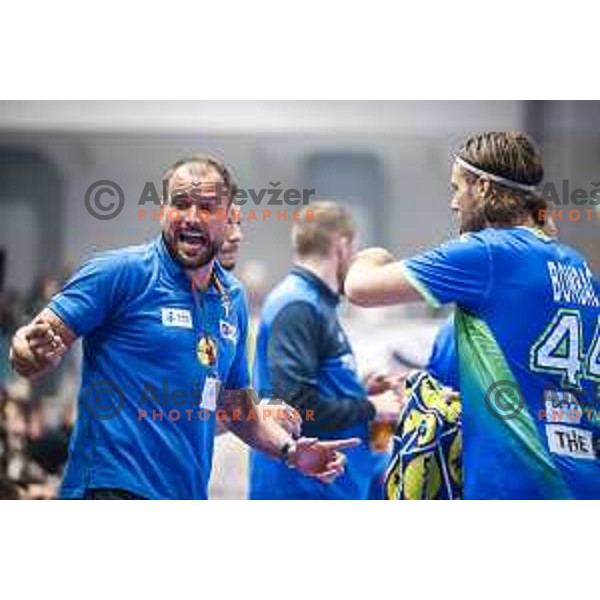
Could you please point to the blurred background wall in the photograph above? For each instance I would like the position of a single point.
(388, 160)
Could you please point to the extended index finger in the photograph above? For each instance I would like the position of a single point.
(341, 444)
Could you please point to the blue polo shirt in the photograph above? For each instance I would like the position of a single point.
(145, 423)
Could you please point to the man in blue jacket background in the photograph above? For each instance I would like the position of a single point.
(303, 356)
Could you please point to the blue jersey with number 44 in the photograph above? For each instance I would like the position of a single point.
(527, 330)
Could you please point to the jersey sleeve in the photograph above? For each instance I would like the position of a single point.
(239, 376)
(89, 297)
(459, 271)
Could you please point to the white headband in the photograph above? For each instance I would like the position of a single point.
(481, 173)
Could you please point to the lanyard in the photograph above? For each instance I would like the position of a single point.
(207, 347)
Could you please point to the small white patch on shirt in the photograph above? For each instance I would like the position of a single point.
(177, 317)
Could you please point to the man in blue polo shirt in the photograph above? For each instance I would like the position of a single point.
(527, 327)
(164, 337)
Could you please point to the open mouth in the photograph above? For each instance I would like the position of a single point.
(194, 239)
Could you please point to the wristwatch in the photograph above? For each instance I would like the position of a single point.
(286, 449)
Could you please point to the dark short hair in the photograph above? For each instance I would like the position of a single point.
(202, 164)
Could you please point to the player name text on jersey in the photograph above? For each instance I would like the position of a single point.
(572, 285)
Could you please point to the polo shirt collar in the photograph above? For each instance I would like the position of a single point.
(323, 289)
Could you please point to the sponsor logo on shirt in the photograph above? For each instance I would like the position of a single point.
(228, 331)
(176, 317)
(570, 441)
(562, 407)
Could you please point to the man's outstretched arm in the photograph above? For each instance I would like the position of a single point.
(375, 278)
(38, 347)
(320, 459)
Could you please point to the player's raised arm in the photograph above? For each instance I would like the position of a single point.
(39, 346)
(375, 278)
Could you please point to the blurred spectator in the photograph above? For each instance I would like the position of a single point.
(35, 418)
(9, 320)
(43, 288)
(8, 490)
(31, 458)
